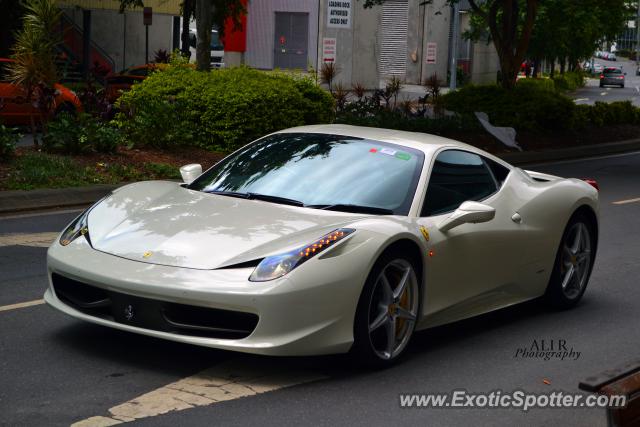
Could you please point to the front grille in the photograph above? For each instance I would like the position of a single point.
(153, 314)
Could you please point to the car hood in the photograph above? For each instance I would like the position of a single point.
(163, 223)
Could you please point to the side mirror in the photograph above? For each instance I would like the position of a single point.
(190, 172)
(468, 212)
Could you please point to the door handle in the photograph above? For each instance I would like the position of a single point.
(516, 218)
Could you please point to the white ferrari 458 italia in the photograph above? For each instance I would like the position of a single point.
(326, 239)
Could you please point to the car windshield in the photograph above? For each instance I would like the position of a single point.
(321, 171)
(612, 71)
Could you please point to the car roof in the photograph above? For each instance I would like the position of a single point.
(417, 140)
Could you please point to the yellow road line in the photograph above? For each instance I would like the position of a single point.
(624, 202)
(41, 240)
(21, 305)
(227, 381)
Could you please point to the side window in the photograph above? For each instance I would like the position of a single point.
(457, 176)
(500, 173)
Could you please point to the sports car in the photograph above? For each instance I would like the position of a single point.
(326, 239)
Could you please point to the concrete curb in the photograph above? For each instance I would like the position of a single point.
(20, 200)
(571, 153)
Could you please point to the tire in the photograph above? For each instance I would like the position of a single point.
(601, 85)
(573, 264)
(386, 314)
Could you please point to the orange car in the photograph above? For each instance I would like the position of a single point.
(15, 108)
(122, 81)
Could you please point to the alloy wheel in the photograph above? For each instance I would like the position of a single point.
(576, 260)
(393, 309)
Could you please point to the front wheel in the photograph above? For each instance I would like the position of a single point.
(387, 311)
(573, 264)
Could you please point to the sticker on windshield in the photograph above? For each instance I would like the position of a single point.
(403, 156)
(388, 151)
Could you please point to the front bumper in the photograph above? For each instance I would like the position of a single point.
(310, 311)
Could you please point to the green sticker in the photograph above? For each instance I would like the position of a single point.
(403, 156)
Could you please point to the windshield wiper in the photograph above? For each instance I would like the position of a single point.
(274, 199)
(228, 193)
(257, 196)
(343, 207)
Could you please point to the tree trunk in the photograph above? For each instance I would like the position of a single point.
(187, 8)
(510, 45)
(563, 64)
(204, 25)
(553, 68)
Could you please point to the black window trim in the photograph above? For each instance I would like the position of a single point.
(484, 162)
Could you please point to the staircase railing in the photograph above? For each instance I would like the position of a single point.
(72, 46)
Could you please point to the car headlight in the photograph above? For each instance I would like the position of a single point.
(276, 266)
(76, 229)
(79, 226)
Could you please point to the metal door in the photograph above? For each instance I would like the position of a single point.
(291, 40)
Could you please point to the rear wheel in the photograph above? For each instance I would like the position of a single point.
(387, 311)
(573, 265)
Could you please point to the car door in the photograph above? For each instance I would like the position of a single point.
(471, 268)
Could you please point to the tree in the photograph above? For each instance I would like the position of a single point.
(209, 14)
(510, 23)
(566, 32)
(34, 67)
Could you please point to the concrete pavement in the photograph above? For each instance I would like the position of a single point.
(57, 371)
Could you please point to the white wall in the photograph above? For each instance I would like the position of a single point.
(122, 35)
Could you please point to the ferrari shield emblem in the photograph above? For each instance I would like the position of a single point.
(425, 233)
(147, 254)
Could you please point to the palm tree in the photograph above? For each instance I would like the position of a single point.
(34, 68)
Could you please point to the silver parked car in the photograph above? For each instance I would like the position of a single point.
(612, 76)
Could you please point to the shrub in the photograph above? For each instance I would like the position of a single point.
(608, 114)
(8, 139)
(65, 136)
(526, 107)
(383, 118)
(218, 110)
(70, 134)
(537, 84)
(569, 81)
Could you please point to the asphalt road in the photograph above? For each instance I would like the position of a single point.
(592, 92)
(56, 371)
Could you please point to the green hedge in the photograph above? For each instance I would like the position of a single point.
(532, 107)
(526, 107)
(569, 81)
(218, 110)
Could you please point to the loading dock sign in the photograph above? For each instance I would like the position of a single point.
(339, 14)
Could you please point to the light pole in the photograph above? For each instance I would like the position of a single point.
(638, 37)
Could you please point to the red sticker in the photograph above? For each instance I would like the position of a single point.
(373, 150)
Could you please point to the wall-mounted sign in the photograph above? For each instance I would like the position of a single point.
(339, 13)
(329, 49)
(147, 16)
(432, 52)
